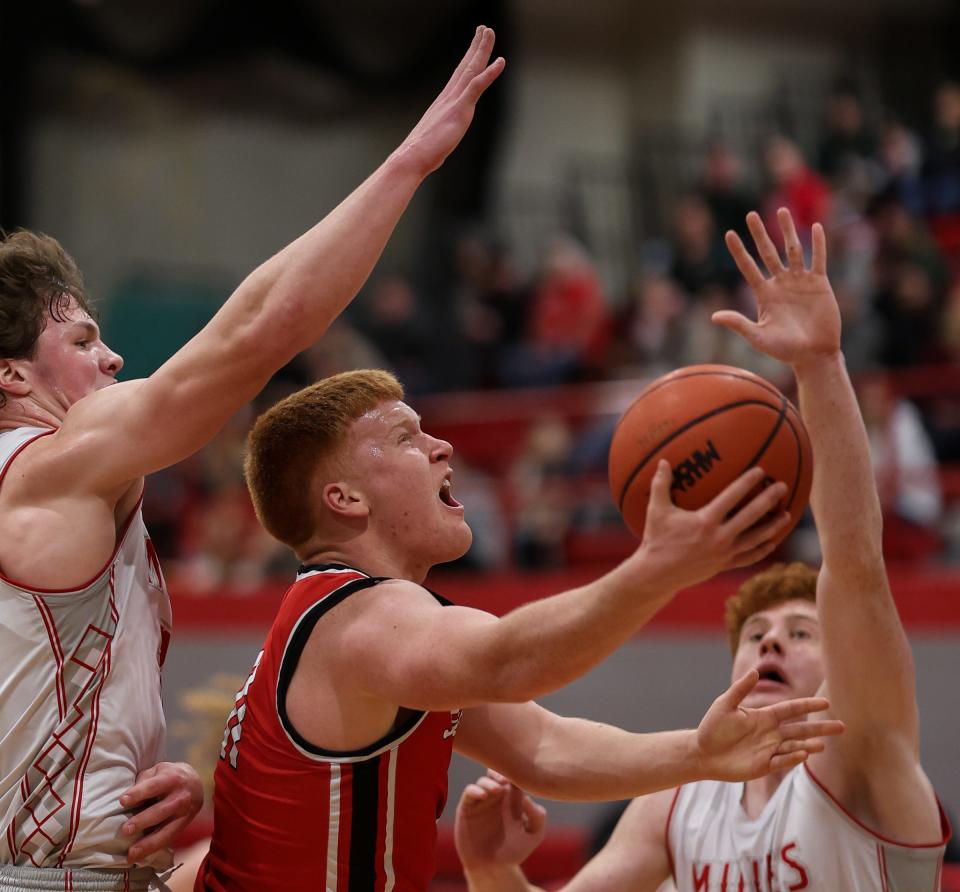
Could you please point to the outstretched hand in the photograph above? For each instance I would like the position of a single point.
(797, 314)
(497, 823)
(166, 798)
(738, 743)
(445, 122)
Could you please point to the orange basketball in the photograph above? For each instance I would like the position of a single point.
(712, 423)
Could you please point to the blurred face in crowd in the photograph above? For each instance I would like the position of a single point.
(783, 644)
(784, 161)
(947, 106)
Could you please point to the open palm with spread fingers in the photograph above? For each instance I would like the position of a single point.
(737, 742)
(797, 313)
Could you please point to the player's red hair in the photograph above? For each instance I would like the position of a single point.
(294, 438)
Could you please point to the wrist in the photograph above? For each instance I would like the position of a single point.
(483, 877)
(404, 164)
(694, 763)
(660, 575)
(819, 363)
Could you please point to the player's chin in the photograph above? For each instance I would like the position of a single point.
(456, 543)
(767, 695)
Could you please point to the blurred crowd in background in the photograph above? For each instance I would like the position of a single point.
(890, 201)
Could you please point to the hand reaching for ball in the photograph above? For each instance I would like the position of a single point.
(738, 527)
(797, 314)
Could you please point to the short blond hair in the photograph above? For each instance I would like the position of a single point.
(776, 584)
(290, 440)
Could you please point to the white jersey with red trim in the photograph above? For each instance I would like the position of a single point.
(803, 839)
(80, 709)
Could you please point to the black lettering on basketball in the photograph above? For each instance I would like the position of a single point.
(696, 467)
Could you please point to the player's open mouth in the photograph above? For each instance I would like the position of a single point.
(771, 673)
(446, 496)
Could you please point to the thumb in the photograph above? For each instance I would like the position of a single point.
(733, 696)
(736, 322)
(660, 485)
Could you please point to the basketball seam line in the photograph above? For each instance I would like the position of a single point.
(797, 438)
(770, 436)
(684, 429)
(654, 387)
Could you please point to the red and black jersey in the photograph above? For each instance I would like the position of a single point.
(289, 815)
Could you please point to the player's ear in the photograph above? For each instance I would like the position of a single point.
(344, 500)
(13, 381)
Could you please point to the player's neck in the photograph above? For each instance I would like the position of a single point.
(369, 559)
(758, 792)
(27, 413)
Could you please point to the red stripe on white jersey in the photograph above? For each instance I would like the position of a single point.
(57, 649)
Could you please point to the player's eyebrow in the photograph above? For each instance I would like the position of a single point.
(804, 616)
(91, 329)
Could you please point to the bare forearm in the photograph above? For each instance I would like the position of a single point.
(577, 760)
(546, 644)
(870, 672)
(844, 495)
(597, 763)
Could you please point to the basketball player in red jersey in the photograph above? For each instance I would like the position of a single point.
(860, 814)
(84, 614)
(333, 768)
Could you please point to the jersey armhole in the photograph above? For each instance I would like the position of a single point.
(288, 666)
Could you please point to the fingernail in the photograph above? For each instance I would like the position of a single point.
(129, 828)
(124, 801)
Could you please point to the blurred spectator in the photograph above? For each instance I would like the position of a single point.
(221, 543)
(228, 547)
(700, 258)
(397, 324)
(541, 494)
(793, 186)
(723, 191)
(901, 160)
(941, 168)
(341, 349)
(847, 145)
(905, 467)
(492, 304)
(941, 172)
(650, 335)
(568, 324)
(852, 250)
(909, 311)
(902, 237)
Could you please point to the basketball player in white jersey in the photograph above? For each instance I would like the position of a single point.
(84, 614)
(861, 814)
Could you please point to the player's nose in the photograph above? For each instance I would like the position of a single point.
(770, 643)
(111, 363)
(440, 450)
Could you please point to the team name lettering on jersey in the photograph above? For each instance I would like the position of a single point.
(234, 730)
(753, 875)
